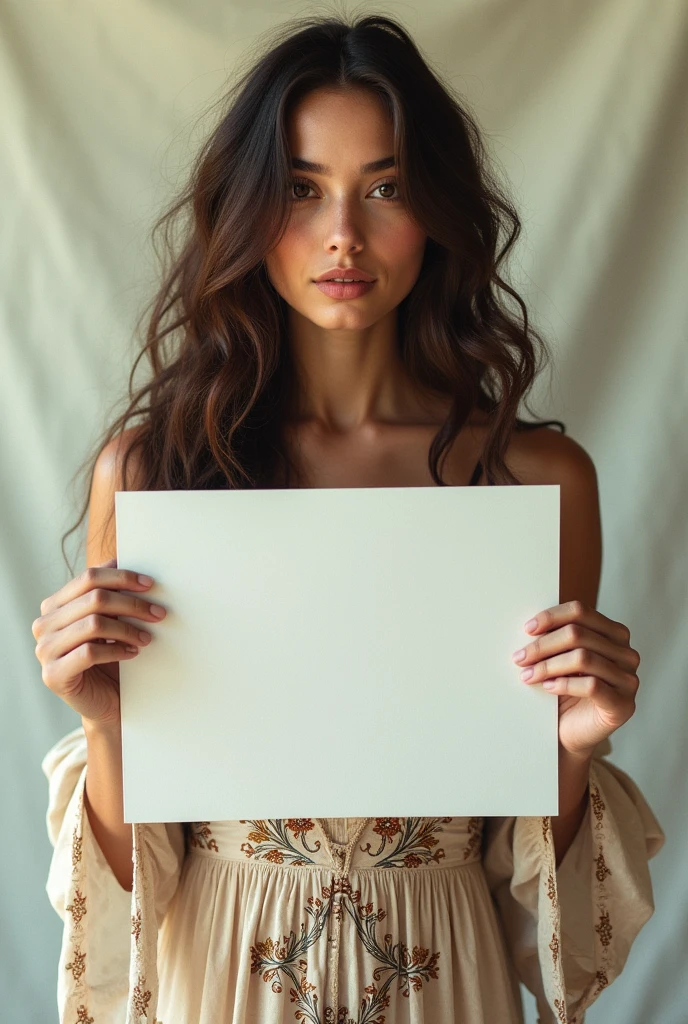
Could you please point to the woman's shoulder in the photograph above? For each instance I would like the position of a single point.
(541, 455)
(109, 467)
(118, 467)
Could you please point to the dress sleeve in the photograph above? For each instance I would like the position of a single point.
(569, 928)
(100, 952)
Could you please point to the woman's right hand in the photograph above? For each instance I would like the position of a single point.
(72, 634)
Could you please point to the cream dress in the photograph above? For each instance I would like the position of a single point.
(346, 921)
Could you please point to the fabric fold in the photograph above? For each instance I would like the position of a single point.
(102, 968)
(569, 928)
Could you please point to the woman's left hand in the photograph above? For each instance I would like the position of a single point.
(587, 660)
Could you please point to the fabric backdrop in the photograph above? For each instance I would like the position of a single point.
(584, 106)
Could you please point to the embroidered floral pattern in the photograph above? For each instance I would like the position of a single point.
(475, 835)
(77, 842)
(78, 964)
(299, 826)
(387, 828)
(602, 869)
(77, 907)
(604, 929)
(270, 840)
(548, 902)
(200, 835)
(597, 803)
(342, 1015)
(76, 932)
(276, 961)
(136, 925)
(141, 998)
(602, 981)
(545, 830)
(412, 839)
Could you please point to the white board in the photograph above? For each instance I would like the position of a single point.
(339, 652)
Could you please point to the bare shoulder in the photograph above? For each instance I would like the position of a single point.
(109, 466)
(108, 477)
(546, 456)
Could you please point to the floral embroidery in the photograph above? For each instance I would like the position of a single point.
(554, 946)
(299, 826)
(78, 964)
(77, 843)
(602, 981)
(552, 890)
(200, 834)
(602, 869)
(604, 928)
(276, 961)
(415, 839)
(560, 1007)
(82, 1016)
(141, 998)
(545, 829)
(342, 1015)
(388, 828)
(597, 803)
(273, 843)
(475, 835)
(77, 907)
(136, 925)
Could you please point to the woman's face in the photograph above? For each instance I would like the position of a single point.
(343, 215)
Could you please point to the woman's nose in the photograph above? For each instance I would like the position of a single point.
(343, 225)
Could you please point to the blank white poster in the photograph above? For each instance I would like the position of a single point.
(339, 652)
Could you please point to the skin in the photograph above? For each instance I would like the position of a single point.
(359, 420)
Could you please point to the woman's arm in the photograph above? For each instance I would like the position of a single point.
(104, 794)
(597, 691)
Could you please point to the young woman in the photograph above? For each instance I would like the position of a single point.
(335, 316)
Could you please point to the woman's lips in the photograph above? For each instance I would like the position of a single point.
(340, 290)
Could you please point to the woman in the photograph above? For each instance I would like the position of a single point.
(335, 317)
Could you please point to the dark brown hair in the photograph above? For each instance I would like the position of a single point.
(211, 409)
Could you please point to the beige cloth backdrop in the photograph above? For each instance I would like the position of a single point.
(584, 104)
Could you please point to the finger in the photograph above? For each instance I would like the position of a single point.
(604, 696)
(96, 576)
(582, 662)
(586, 615)
(575, 635)
(59, 673)
(96, 629)
(99, 601)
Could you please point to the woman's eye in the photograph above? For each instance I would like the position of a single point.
(384, 185)
(388, 185)
(300, 184)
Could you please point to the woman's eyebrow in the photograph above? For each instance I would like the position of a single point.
(375, 165)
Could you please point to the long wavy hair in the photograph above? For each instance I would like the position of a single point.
(210, 411)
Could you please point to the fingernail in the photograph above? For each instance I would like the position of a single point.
(144, 637)
(519, 655)
(526, 673)
(131, 649)
(549, 685)
(530, 624)
(158, 611)
(145, 581)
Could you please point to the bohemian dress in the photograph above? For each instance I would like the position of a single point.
(346, 920)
